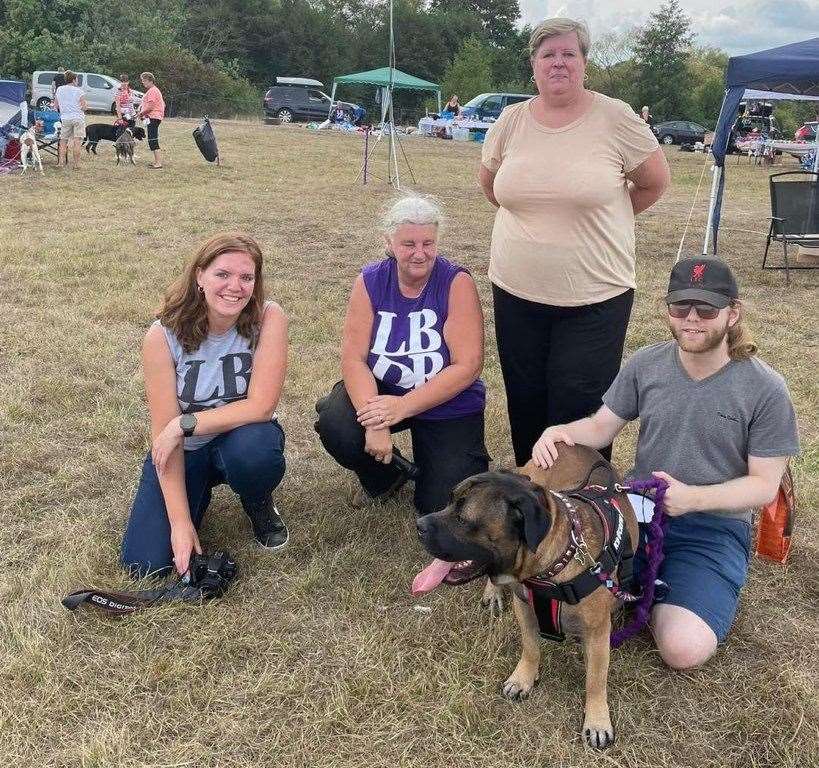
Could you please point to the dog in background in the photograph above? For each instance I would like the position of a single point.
(124, 146)
(513, 527)
(29, 153)
(97, 132)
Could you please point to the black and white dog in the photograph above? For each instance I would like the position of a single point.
(97, 132)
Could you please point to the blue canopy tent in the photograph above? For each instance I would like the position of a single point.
(13, 109)
(790, 69)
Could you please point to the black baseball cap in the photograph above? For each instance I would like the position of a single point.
(707, 280)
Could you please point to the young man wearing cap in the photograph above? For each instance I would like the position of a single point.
(718, 425)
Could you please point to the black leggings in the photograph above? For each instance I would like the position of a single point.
(557, 362)
(153, 133)
(446, 450)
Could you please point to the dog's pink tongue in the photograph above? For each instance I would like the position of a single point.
(430, 577)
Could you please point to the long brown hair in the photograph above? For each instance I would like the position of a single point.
(740, 341)
(184, 310)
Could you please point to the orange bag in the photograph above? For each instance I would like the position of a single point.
(773, 540)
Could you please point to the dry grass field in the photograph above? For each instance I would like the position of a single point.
(317, 656)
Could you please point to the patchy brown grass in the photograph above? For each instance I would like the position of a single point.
(317, 657)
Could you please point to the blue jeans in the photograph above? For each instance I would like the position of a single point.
(250, 459)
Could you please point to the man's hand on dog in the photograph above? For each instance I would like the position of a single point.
(544, 453)
(378, 443)
(184, 541)
(382, 411)
(165, 444)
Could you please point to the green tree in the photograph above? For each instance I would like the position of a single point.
(497, 17)
(470, 72)
(661, 50)
(706, 67)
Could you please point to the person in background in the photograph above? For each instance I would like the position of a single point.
(568, 170)
(453, 106)
(69, 101)
(125, 102)
(411, 357)
(59, 79)
(718, 425)
(647, 117)
(152, 109)
(214, 364)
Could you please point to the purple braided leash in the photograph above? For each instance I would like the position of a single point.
(656, 534)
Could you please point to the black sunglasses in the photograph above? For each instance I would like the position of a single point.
(680, 310)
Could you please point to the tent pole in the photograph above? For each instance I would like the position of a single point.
(438, 93)
(711, 206)
(332, 100)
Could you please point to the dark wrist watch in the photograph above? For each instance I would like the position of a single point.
(187, 421)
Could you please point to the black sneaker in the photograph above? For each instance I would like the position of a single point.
(268, 527)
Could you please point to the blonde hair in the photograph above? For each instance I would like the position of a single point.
(741, 344)
(412, 209)
(148, 76)
(559, 26)
(184, 310)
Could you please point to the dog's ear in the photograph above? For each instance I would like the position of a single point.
(535, 510)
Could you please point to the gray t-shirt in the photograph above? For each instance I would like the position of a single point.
(216, 374)
(702, 432)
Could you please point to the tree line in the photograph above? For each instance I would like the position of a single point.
(216, 57)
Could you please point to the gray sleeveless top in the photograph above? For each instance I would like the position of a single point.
(216, 374)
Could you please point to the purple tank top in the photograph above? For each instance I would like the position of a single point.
(407, 345)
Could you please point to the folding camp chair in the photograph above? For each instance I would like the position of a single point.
(794, 215)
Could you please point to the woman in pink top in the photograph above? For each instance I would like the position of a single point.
(152, 109)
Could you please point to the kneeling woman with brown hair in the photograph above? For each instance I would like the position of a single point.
(214, 361)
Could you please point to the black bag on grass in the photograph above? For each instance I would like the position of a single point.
(206, 141)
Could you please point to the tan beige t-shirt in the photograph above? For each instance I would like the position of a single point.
(564, 232)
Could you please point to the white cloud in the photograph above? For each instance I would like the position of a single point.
(739, 27)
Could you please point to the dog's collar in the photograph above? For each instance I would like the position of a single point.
(576, 548)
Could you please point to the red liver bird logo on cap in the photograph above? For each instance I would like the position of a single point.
(697, 273)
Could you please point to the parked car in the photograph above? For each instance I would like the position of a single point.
(301, 98)
(679, 132)
(488, 106)
(745, 125)
(100, 90)
(807, 132)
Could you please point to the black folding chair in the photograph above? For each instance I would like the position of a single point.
(794, 215)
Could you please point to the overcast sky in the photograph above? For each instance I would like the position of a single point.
(735, 26)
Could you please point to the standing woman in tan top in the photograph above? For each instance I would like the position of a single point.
(568, 170)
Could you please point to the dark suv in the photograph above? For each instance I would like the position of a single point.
(297, 102)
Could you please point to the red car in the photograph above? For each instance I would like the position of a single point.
(807, 132)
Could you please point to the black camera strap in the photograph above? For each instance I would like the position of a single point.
(207, 577)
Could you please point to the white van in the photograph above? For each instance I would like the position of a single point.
(100, 90)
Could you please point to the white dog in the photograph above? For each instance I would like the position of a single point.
(29, 152)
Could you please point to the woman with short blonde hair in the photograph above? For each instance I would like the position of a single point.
(568, 171)
(411, 357)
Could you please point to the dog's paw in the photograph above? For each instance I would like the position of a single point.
(493, 598)
(518, 686)
(598, 734)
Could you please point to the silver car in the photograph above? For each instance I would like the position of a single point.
(100, 90)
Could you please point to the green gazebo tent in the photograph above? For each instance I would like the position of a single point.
(387, 77)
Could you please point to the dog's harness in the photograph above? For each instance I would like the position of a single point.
(613, 568)
(616, 558)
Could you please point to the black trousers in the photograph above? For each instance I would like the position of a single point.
(557, 362)
(153, 133)
(446, 451)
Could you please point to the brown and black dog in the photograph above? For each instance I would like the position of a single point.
(510, 527)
